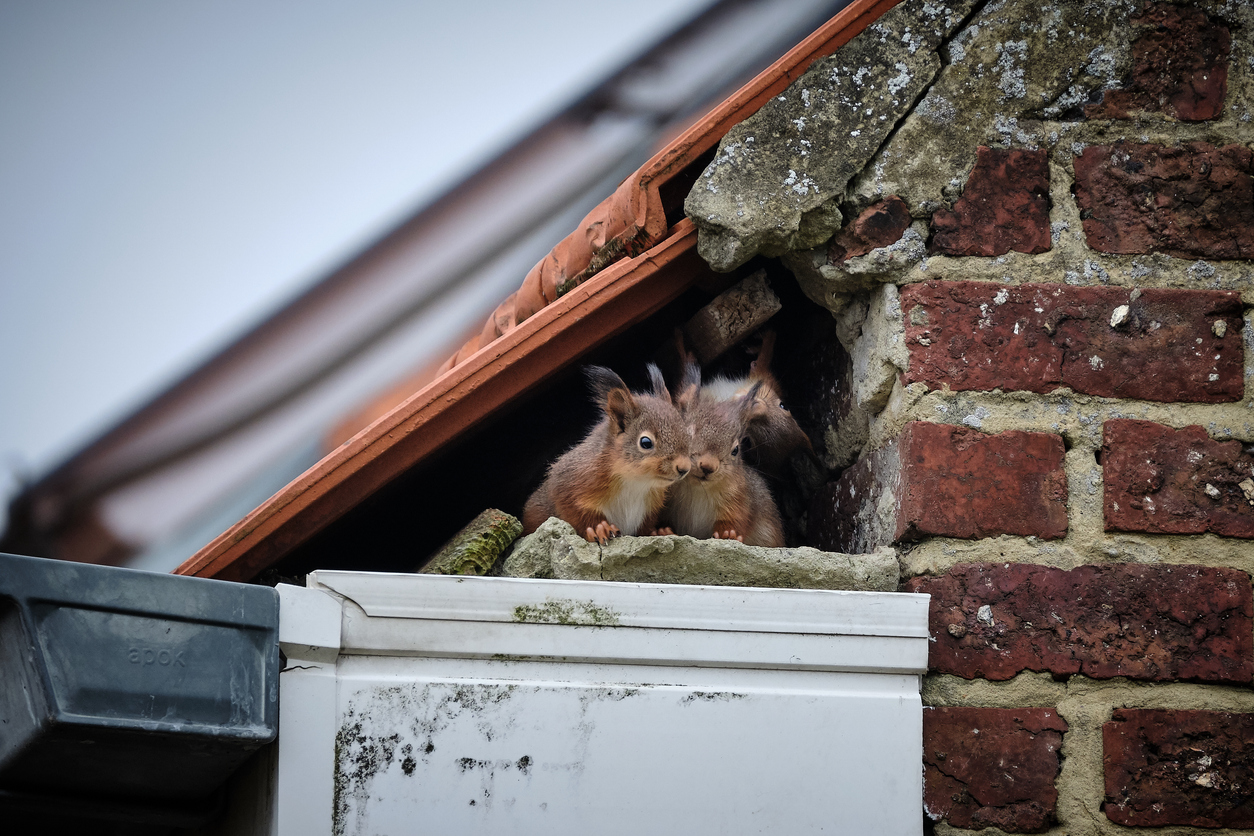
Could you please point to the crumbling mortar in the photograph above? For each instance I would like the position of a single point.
(1087, 268)
(1078, 418)
(938, 555)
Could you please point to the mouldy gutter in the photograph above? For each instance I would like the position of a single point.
(576, 297)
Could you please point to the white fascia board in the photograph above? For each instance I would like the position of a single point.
(583, 621)
(604, 603)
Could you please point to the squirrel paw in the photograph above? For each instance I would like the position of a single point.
(662, 532)
(602, 533)
(729, 534)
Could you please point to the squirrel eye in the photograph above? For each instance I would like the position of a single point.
(646, 443)
(781, 406)
(735, 449)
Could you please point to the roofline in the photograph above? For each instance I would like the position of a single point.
(528, 355)
(622, 264)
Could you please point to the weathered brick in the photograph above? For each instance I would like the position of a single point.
(1158, 345)
(1167, 481)
(948, 481)
(994, 620)
(1166, 767)
(960, 482)
(992, 767)
(1193, 200)
(1004, 206)
(1180, 67)
(879, 225)
(857, 513)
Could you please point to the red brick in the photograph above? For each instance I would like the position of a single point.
(1004, 206)
(1039, 337)
(1180, 67)
(1167, 767)
(960, 482)
(1166, 481)
(1135, 620)
(992, 767)
(946, 481)
(1194, 200)
(879, 225)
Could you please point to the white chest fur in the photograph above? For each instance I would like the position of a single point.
(693, 510)
(630, 504)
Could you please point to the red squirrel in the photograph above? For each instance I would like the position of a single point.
(773, 433)
(723, 497)
(614, 481)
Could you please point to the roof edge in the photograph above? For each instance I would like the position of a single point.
(588, 315)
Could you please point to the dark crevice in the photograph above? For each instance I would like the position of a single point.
(676, 188)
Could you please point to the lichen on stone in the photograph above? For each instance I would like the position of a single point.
(778, 177)
(556, 551)
(1005, 78)
(474, 549)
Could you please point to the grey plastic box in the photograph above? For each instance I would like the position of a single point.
(124, 684)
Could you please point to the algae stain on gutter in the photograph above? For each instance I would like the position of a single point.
(581, 613)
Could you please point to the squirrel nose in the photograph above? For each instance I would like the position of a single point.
(708, 466)
(682, 467)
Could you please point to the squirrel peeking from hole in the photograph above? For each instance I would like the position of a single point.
(661, 464)
(615, 480)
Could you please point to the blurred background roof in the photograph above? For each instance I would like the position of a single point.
(173, 172)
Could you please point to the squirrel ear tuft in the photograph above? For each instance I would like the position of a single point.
(658, 382)
(752, 407)
(685, 356)
(761, 365)
(613, 396)
(602, 380)
(689, 386)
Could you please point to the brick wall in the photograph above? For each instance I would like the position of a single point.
(1043, 277)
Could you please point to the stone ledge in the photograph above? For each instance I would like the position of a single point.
(556, 551)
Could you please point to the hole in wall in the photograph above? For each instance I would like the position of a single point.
(498, 462)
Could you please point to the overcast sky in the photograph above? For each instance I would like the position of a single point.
(171, 171)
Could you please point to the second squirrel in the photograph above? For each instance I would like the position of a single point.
(722, 497)
(773, 433)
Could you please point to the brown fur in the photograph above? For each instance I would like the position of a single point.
(773, 433)
(722, 497)
(607, 484)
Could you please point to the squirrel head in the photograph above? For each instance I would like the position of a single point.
(718, 427)
(646, 435)
(770, 424)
